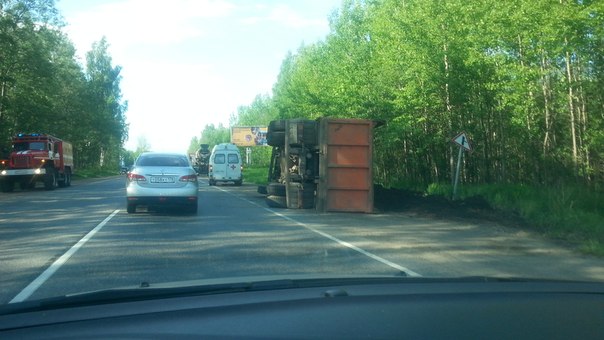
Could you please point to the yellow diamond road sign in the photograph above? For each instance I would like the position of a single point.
(463, 141)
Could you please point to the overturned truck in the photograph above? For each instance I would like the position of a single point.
(324, 164)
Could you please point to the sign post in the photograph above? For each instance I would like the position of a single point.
(248, 155)
(463, 142)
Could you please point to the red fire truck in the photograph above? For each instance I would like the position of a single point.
(37, 157)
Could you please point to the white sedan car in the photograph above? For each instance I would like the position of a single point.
(162, 179)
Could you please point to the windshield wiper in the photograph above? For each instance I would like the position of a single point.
(144, 291)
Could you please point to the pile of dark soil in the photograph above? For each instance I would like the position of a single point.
(474, 208)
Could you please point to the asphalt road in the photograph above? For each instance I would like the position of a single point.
(81, 239)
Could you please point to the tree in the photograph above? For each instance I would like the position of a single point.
(259, 113)
(105, 104)
(214, 135)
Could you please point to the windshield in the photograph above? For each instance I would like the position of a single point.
(23, 146)
(415, 138)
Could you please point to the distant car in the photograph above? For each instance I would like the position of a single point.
(162, 179)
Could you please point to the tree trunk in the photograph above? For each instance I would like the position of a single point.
(571, 110)
(546, 93)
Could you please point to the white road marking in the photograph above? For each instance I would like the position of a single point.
(35, 284)
(408, 271)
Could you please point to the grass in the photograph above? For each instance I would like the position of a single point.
(255, 174)
(570, 213)
(94, 173)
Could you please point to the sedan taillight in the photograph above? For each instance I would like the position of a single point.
(136, 178)
(188, 178)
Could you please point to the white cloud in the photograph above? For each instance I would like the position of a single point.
(284, 16)
(288, 17)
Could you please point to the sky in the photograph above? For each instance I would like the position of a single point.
(188, 63)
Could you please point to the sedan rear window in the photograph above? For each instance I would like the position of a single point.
(175, 161)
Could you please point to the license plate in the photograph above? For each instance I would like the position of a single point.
(162, 179)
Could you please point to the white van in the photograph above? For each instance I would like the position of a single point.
(225, 164)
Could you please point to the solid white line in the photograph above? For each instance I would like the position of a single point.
(408, 271)
(35, 284)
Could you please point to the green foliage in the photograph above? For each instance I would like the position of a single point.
(95, 172)
(256, 174)
(259, 113)
(260, 157)
(193, 145)
(128, 157)
(214, 135)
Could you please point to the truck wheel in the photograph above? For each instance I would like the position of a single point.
(50, 179)
(275, 201)
(275, 189)
(7, 185)
(66, 180)
(239, 182)
(275, 138)
(131, 208)
(276, 125)
(62, 182)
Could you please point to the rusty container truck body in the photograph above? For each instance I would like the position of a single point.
(345, 180)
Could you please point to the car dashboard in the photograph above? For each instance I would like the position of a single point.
(410, 308)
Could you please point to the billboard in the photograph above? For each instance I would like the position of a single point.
(249, 135)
